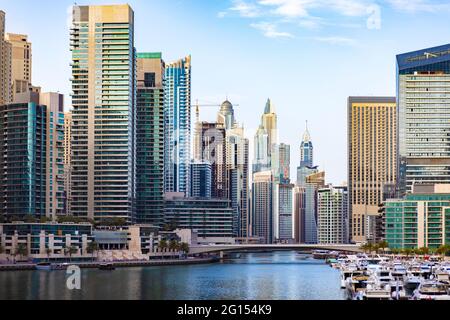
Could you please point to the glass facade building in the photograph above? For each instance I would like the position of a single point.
(177, 125)
(31, 153)
(211, 218)
(150, 139)
(420, 219)
(23, 158)
(423, 93)
(103, 116)
(201, 174)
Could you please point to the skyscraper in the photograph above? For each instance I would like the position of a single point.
(306, 149)
(283, 212)
(5, 64)
(210, 146)
(20, 63)
(237, 162)
(177, 125)
(150, 139)
(372, 160)
(332, 215)
(262, 206)
(266, 138)
(103, 116)
(423, 104)
(283, 162)
(309, 180)
(31, 153)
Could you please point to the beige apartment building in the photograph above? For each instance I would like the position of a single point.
(372, 160)
(20, 63)
(5, 64)
(103, 115)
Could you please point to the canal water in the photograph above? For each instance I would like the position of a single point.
(272, 276)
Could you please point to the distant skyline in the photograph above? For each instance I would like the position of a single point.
(308, 56)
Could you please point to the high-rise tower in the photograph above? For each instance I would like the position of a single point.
(423, 104)
(150, 139)
(372, 160)
(5, 64)
(177, 125)
(103, 116)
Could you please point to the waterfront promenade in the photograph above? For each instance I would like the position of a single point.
(117, 264)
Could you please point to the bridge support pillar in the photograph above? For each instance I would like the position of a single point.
(221, 254)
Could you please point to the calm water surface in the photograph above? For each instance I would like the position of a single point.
(278, 275)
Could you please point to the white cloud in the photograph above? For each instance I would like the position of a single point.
(288, 8)
(221, 14)
(413, 6)
(335, 40)
(245, 9)
(269, 30)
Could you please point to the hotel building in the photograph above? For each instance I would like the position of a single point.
(372, 160)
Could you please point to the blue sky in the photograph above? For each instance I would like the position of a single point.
(308, 56)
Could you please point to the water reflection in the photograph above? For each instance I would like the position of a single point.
(279, 275)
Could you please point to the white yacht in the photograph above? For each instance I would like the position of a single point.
(431, 290)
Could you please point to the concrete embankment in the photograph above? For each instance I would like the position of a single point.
(117, 264)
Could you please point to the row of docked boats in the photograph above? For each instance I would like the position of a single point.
(366, 277)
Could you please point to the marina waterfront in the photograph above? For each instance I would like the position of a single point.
(271, 276)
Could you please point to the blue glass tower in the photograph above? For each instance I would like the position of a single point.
(423, 110)
(177, 125)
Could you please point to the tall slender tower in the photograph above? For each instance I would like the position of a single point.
(150, 139)
(309, 179)
(5, 64)
(177, 129)
(372, 160)
(103, 116)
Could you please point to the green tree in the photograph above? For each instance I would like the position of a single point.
(21, 250)
(173, 245)
(407, 251)
(70, 251)
(162, 244)
(383, 245)
(92, 247)
(184, 247)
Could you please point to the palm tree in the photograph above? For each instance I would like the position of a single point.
(407, 251)
(364, 247)
(173, 245)
(162, 245)
(184, 247)
(21, 250)
(70, 251)
(92, 247)
(383, 245)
